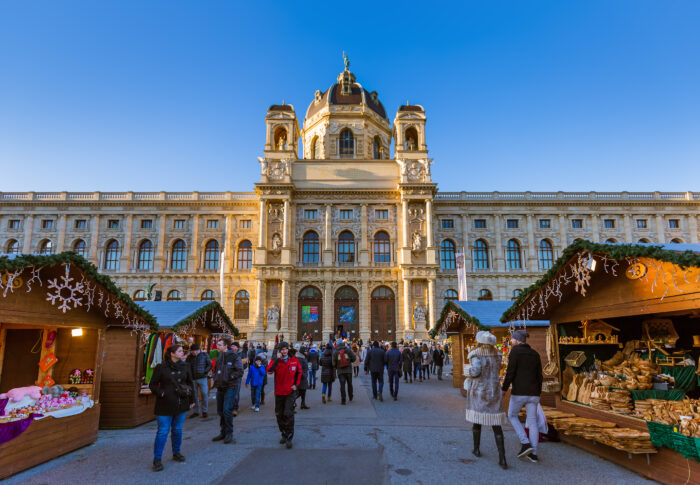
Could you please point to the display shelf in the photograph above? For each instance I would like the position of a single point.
(79, 386)
(589, 343)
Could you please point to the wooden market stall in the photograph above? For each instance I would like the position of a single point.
(54, 314)
(460, 320)
(126, 400)
(626, 321)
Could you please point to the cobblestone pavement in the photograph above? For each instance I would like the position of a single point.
(422, 438)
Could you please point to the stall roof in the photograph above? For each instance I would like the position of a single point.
(175, 314)
(16, 262)
(484, 314)
(683, 255)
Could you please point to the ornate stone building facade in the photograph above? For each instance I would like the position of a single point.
(337, 234)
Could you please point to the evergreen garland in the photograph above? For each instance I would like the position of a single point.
(616, 252)
(213, 305)
(25, 260)
(451, 305)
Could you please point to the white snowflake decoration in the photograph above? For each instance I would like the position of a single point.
(64, 292)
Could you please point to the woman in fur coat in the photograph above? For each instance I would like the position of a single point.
(484, 400)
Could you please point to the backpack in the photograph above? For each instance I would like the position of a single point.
(343, 359)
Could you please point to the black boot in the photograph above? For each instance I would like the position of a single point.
(501, 449)
(476, 433)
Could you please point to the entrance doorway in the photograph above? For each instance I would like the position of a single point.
(310, 313)
(347, 312)
(383, 314)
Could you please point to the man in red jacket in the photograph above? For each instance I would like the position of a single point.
(287, 372)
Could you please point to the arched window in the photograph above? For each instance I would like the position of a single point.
(382, 293)
(346, 247)
(675, 240)
(12, 247)
(80, 248)
(139, 295)
(485, 294)
(112, 255)
(208, 295)
(245, 254)
(516, 293)
(411, 139)
(315, 148)
(513, 254)
(546, 256)
(46, 247)
(178, 257)
(310, 247)
(644, 240)
(280, 139)
(382, 248)
(450, 295)
(241, 305)
(447, 254)
(481, 254)
(145, 255)
(310, 293)
(347, 143)
(174, 295)
(610, 241)
(377, 148)
(211, 255)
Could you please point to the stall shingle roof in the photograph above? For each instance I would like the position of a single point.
(484, 314)
(173, 314)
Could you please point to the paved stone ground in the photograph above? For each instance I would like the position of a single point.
(420, 439)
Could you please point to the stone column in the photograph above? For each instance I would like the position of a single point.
(404, 222)
(327, 229)
(95, 235)
(562, 232)
(284, 312)
(60, 247)
(429, 222)
(693, 228)
(125, 265)
(531, 246)
(365, 327)
(161, 256)
(431, 303)
(285, 226)
(262, 222)
(260, 308)
(28, 228)
(660, 229)
(499, 263)
(628, 229)
(407, 305)
(595, 228)
(230, 252)
(193, 255)
(363, 224)
(328, 310)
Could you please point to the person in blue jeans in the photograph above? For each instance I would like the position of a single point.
(228, 372)
(171, 384)
(327, 373)
(256, 377)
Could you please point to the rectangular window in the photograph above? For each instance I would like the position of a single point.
(310, 213)
(13, 224)
(113, 224)
(674, 223)
(641, 223)
(381, 213)
(212, 223)
(246, 223)
(479, 223)
(346, 214)
(545, 224)
(448, 223)
(146, 223)
(47, 224)
(80, 224)
(577, 223)
(512, 223)
(179, 224)
(609, 223)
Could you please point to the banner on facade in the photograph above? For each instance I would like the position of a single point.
(309, 314)
(461, 276)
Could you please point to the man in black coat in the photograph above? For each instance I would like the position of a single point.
(374, 364)
(524, 373)
(228, 372)
(394, 362)
(438, 360)
(407, 356)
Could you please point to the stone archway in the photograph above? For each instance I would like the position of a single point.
(347, 312)
(383, 319)
(310, 313)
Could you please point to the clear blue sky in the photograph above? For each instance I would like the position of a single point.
(145, 95)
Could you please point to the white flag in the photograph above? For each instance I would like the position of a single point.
(222, 263)
(461, 276)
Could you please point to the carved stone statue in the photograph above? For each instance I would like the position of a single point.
(273, 314)
(281, 142)
(263, 165)
(417, 241)
(419, 313)
(415, 170)
(276, 242)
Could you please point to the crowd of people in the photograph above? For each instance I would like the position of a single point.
(181, 382)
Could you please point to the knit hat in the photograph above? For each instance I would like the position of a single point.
(283, 345)
(194, 347)
(485, 337)
(520, 335)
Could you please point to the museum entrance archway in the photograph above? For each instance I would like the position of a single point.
(383, 315)
(347, 312)
(310, 313)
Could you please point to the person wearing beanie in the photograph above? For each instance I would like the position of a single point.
(524, 374)
(200, 365)
(287, 370)
(484, 403)
(228, 372)
(304, 384)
